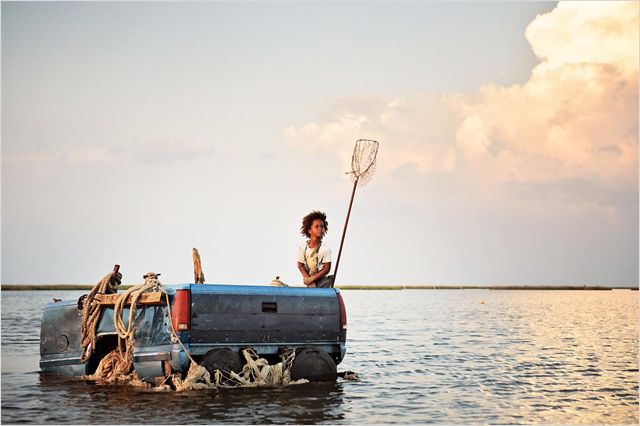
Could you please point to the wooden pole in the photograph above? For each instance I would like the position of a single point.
(198, 275)
(344, 231)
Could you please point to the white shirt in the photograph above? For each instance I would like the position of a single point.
(324, 254)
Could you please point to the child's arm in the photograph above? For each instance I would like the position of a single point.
(309, 279)
(303, 271)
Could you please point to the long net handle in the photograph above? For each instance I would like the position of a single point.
(344, 231)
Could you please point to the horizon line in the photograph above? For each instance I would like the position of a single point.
(23, 287)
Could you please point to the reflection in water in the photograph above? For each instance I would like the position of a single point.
(441, 356)
(306, 403)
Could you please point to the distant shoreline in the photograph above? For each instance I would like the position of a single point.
(31, 287)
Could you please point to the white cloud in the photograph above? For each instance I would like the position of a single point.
(415, 129)
(576, 32)
(575, 118)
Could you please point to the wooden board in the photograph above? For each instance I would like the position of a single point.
(155, 298)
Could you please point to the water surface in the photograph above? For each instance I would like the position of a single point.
(443, 356)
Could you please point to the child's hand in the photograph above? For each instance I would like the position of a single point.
(307, 281)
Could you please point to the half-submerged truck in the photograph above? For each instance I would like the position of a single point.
(215, 323)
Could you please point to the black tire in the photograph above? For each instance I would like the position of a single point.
(224, 360)
(314, 365)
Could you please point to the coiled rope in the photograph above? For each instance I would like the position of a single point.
(117, 366)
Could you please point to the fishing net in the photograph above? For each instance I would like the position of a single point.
(363, 161)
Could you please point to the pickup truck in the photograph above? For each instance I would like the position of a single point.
(215, 323)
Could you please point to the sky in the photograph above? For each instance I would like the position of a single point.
(132, 132)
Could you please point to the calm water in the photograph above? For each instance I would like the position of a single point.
(423, 356)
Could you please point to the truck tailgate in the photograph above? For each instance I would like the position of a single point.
(263, 314)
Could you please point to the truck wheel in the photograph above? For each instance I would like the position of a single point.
(314, 365)
(224, 360)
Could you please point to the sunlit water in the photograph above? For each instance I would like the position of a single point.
(443, 356)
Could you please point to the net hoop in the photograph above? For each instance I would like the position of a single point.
(363, 161)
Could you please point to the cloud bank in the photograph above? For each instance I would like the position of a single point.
(574, 120)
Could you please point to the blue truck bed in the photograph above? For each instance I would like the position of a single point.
(208, 318)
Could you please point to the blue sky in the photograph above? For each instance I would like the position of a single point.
(132, 132)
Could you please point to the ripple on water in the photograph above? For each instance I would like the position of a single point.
(432, 356)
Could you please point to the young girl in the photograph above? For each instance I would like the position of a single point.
(314, 257)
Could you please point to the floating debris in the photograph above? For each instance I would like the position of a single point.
(349, 375)
(114, 369)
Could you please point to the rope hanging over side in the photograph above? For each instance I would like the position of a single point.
(126, 333)
(91, 311)
(117, 366)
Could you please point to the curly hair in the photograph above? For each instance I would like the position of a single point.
(307, 221)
